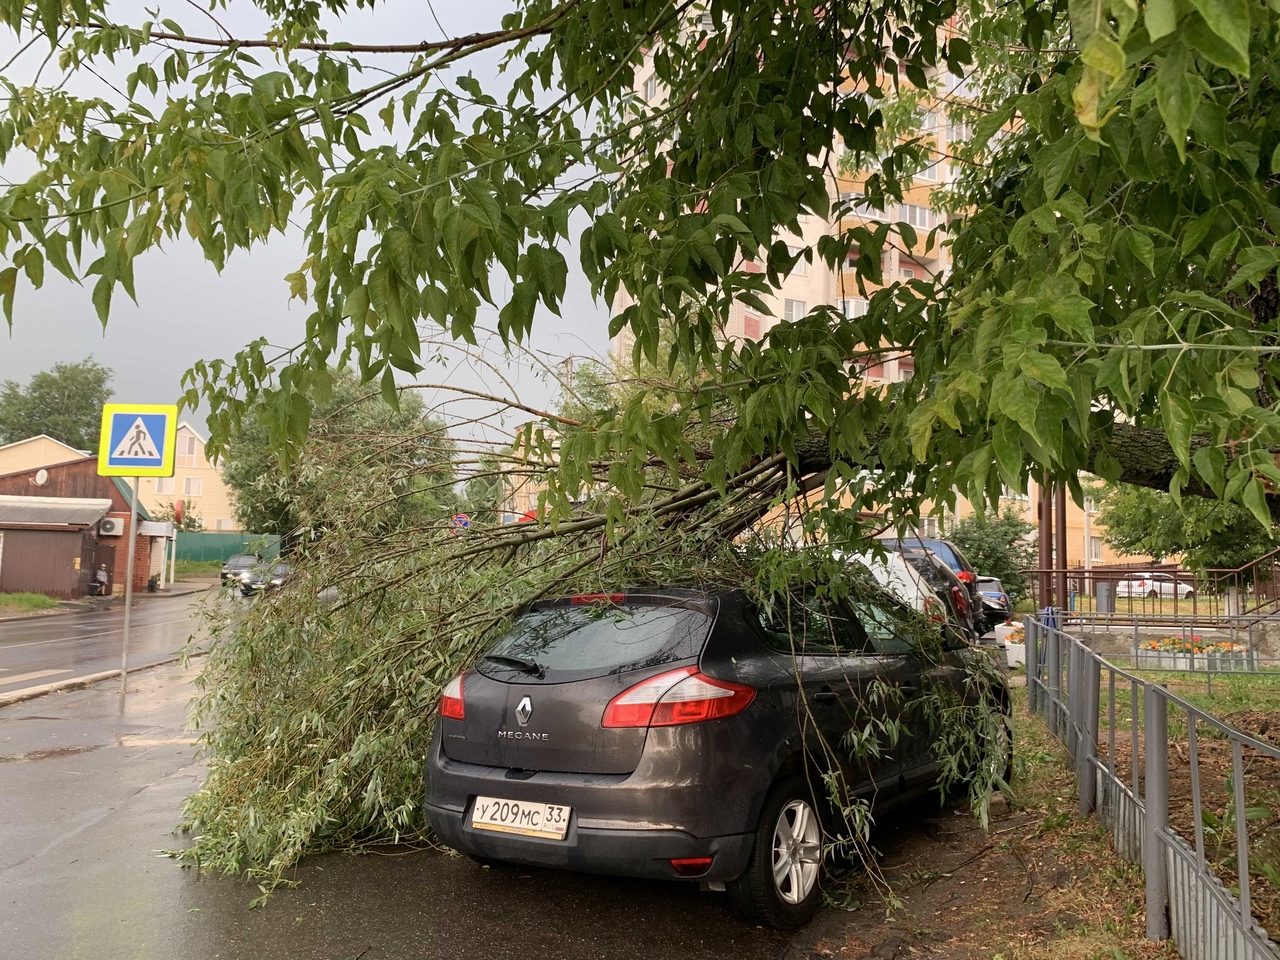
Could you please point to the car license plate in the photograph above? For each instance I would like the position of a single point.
(548, 820)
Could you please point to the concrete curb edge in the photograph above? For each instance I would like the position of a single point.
(8, 699)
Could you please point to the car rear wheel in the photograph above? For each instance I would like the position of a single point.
(780, 886)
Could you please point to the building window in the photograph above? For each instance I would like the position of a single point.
(224, 524)
(1089, 505)
(861, 208)
(706, 22)
(928, 122)
(906, 368)
(872, 367)
(192, 486)
(928, 172)
(929, 527)
(801, 268)
(186, 451)
(794, 310)
(1095, 548)
(802, 218)
(852, 307)
(958, 131)
(651, 87)
(164, 485)
(908, 273)
(920, 217)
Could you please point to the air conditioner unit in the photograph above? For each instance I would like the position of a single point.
(110, 527)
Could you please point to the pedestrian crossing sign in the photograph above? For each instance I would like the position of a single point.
(138, 440)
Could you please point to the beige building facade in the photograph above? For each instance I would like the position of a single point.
(196, 482)
(35, 452)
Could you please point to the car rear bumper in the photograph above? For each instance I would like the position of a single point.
(628, 825)
(622, 852)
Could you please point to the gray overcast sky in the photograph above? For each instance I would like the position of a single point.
(186, 311)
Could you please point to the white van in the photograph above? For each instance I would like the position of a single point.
(892, 571)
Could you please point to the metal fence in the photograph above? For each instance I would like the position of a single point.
(207, 545)
(1116, 727)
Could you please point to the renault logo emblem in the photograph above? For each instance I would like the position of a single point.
(524, 711)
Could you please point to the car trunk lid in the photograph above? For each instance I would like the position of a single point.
(536, 701)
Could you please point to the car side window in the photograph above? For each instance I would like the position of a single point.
(811, 625)
(886, 633)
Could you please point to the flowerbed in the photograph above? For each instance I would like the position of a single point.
(1182, 653)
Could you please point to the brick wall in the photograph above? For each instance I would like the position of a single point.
(141, 559)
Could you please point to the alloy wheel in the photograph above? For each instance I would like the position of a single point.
(797, 851)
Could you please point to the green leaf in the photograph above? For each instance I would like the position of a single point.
(1019, 402)
(1253, 264)
(102, 299)
(1142, 248)
(1211, 465)
(1229, 21)
(8, 283)
(1045, 368)
(1178, 421)
(1255, 498)
(1176, 96)
(1104, 54)
(33, 264)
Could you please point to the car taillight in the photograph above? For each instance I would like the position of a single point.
(934, 610)
(598, 598)
(451, 705)
(965, 576)
(961, 601)
(678, 696)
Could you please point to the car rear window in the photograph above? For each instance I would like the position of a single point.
(583, 641)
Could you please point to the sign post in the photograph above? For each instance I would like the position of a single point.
(137, 441)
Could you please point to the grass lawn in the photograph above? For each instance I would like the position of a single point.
(197, 569)
(16, 603)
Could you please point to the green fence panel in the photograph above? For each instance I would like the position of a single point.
(219, 546)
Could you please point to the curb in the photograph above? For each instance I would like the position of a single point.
(8, 699)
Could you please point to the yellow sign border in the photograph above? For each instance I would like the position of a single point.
(109, 410)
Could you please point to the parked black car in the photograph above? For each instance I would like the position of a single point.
(665, 734)
(237, 565)
(948, 553)
(263, 577)
(995, 600)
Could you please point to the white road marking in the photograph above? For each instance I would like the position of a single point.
(30, 676)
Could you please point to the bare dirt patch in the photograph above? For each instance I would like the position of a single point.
(1218, 807)
(1039, 884)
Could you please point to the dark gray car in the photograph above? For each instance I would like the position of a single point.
(665, 734)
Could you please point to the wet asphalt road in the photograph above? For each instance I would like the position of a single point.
(89, 794)
(49, 649)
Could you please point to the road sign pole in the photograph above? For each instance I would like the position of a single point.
(128, 588)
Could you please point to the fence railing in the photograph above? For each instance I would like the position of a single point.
(1116, 726)
(1248, 593)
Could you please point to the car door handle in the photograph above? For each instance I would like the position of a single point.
(825, 695)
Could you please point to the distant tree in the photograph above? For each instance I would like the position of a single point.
(1207, 534)
(998, 545)
(393, 466)
(191, 521)
(64, 402)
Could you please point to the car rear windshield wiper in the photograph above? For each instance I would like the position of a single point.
(518, 663)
